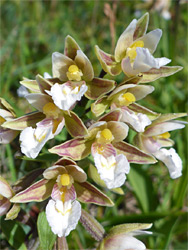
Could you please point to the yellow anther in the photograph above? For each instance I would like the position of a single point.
(51, 110)
(107, 134)
(65, 179)
(126, 99)
(137, 44)
(2, 120)
(74, 73)
(131, 51)
(73, 69)
(103, 137)
(165, 135)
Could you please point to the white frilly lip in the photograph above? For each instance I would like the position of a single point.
(33, 139)
(137, 121)
(63, 216)
(65, 96)
(112, 169)
(172, 160)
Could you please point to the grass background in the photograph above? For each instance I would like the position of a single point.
(30, 31)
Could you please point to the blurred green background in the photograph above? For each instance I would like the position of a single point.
(30, 31)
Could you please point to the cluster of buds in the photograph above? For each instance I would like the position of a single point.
(114, 110)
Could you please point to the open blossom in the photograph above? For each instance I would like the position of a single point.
(75, 71)
(111, 166)
(157, 136)
(33, 139)
(124, 98)
(63, 211)
(133, 53)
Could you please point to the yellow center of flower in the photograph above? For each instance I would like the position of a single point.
(65, 179)
(74, 73)
(51, 110)
(165, 135)
(1, 197)
(131, 51)
(2, 120)
(126, 99)
(104, 136)
(107, 134)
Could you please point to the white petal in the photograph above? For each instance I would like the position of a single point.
(85, 65)
(22, 91)
(46, 75)
(137, 121)
(32, 140)
(125, 40)
(64, 96)
(112, 169)
(141, 91)
(7, 135)
(63, 217)
(124, 242)
(151, 39)
(150, 145)
(172, 160)
(144, 60)
(164, 127)
(60, 65)
(127, 67)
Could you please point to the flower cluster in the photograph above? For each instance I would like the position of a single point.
(114, 110)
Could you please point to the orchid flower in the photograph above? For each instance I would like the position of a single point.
(157, 136)
(65, 182)
(75, 71)
(124, 98)
(122, 237)
(104, 140)
(63, 211)
(33, 139)
(133, 53)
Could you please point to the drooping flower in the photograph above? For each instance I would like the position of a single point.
(157, 136)
(133, 53)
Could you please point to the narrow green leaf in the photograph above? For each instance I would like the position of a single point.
(143, 188)
(46, 237)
